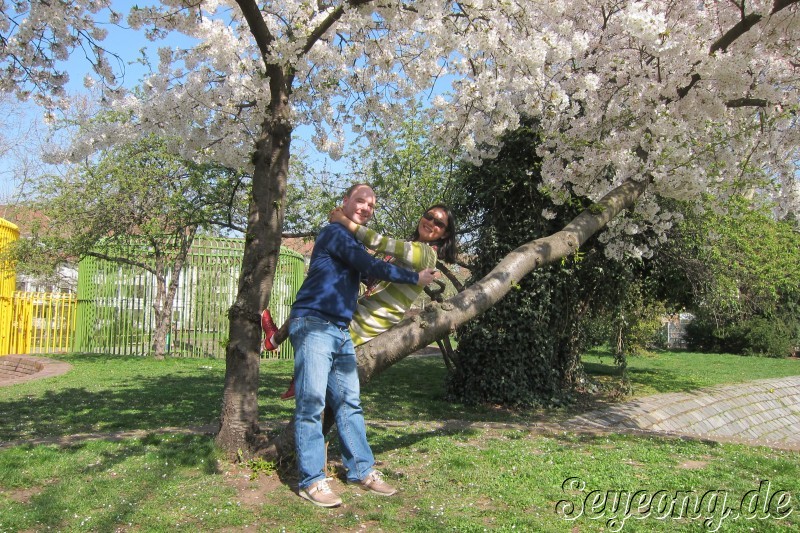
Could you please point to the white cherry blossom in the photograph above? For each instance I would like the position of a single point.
(665, 90)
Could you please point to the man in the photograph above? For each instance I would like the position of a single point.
(325, 360)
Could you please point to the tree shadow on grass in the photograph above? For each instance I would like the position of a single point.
(144, 403)
(189, 395)
(153, 461)
(177, 395)
(414, 390)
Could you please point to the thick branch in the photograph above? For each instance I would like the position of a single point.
(258, 27)
(438, 320)
(739, 29)
(780, 4)
(747, 102)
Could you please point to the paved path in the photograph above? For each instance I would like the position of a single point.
(20, 368)
(764, 412)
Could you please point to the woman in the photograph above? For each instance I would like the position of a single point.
(384, 304)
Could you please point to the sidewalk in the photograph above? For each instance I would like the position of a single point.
(763, 412)
(21, 368)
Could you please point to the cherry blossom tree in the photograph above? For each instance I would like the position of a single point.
(635, 98)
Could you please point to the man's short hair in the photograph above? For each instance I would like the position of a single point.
(355, 186)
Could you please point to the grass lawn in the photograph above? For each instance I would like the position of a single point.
(458, 468)
(683, 371)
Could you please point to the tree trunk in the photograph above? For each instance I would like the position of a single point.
(239, 432)
(159, 346)
(165, 293)
(439, 320)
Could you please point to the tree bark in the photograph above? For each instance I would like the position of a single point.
(165, 295)
(239, 431)
(439, 320)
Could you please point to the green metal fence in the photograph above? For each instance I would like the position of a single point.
(115, 312)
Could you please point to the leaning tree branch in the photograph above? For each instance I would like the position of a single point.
(439, 320)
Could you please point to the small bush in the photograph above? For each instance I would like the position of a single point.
(767, 337)
(772, 337)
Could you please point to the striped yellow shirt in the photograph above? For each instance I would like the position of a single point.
(387, 304)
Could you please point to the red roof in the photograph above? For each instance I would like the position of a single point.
(301, 245)
(23, 217)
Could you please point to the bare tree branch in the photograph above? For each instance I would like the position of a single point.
(747, 102)
(739, 29)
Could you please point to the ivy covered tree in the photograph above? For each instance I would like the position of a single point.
(526, 348)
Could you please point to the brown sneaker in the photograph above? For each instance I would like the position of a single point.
(320, 494)
(374, 483)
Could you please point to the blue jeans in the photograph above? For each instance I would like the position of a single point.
(325, 368)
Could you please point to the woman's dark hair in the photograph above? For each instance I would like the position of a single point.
(445, 248)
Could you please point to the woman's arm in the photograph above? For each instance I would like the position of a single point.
(413, 253)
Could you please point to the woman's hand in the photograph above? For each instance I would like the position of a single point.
(338, 216)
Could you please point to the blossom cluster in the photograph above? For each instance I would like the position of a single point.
(663, 90)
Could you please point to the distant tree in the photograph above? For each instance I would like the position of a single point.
(311, 193)
(407, 170)
(737, 269)
(138, 205)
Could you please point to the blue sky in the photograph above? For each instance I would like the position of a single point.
(126, 43)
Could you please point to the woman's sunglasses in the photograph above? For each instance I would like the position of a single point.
(436, 222)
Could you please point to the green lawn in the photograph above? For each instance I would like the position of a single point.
(683, 371)
(458, 468)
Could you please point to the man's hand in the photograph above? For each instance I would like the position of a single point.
(427, 276)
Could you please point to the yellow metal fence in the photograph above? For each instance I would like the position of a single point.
(8, 234)
(41, 322)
